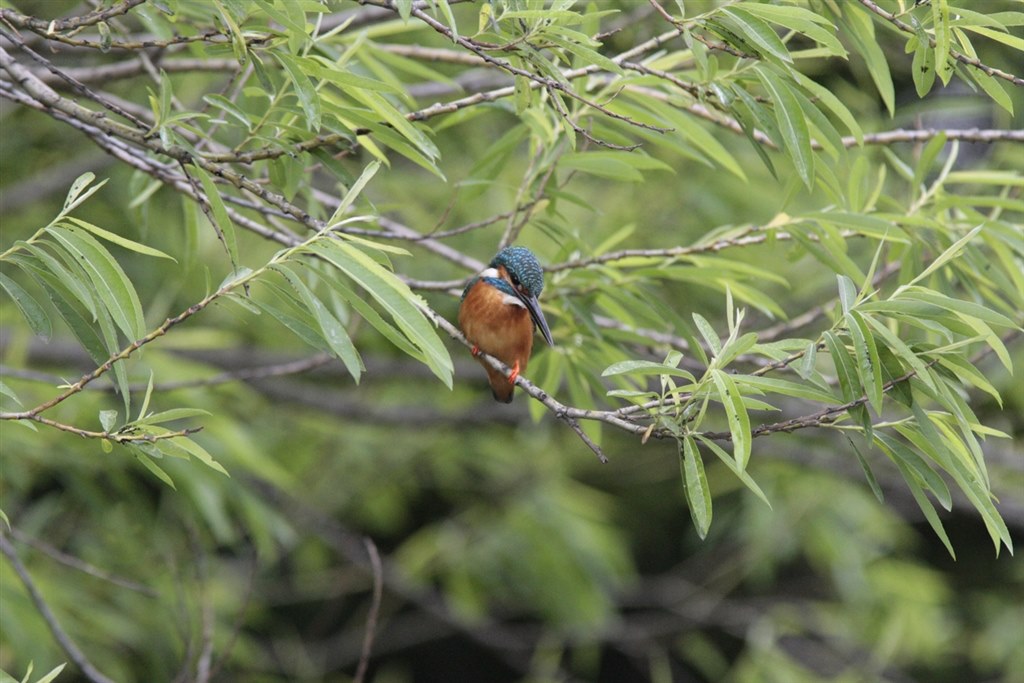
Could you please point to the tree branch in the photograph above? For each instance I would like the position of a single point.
(63, 639)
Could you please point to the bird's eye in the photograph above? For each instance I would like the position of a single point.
(514, 279)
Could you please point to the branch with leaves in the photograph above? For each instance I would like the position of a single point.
(315, 152)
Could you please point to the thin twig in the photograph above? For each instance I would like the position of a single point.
(63, 639)
(371, 618)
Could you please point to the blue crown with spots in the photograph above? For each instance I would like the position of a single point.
(523, 268)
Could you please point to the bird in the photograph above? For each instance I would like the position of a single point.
(499, 313)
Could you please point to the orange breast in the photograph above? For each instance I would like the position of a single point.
(499, 329)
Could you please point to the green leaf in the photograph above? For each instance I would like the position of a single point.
(616, 165)
(172, 415)
(741, 474)
(756, 32)
(901, 454)
(845, 369)
(785, 387)
(869, 368)
(709, 334)
(33, 313)
(695, 485)
(693, 132)
(847, 293)
(645, 367)
(825, 96)
(109, 281)
(219, 215)
(148, 463)
(309, 99)
(353, 192)
(396, 298)
(62, 299)
(940, 22)
(78, 193)
(333, 331)
(812, 25)
(899, 348)
(118, 240)
(736, 413)
(923, 65)
(196, 451)
(868, 474)
(926, 506)
(862, 31)
(792, 125)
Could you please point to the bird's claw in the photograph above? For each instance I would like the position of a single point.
(514, 373)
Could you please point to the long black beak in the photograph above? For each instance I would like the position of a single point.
(533, 306)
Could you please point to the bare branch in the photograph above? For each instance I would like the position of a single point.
(371, 618)
(63, 639)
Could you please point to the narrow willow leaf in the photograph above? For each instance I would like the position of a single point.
(994, 88)
(283, 308)
(807, 365)
(76, 283)
(78, 193)
(708, 333)
(354, 191)
(110, 283)
(757, 32)
(645, 367)
(155, 469)
(736, 347)
(33, 313)
(370, 315)
(197, 452)
(742, 475)
(172, 415)
(869, 368)
(825, 96)
(967, 309)
(902, 351)
(63, 301)
(792, 125)
(120, 241)
(812, 25)
(396, 298)
(940, 24)
(786, 388)
(146, 398)
(736, 414)
(306, 92)
(845, 370)
(847, 292)
(926, 507)
(333, 331)
(694, 133)
(923, 65)
(943, 258)
(868, 474)
(902, 455)
(219, 215)
(112, 345)
(862, 31)
(893, 370)
(695, 485)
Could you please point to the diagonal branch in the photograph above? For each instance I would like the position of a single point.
(60, 635)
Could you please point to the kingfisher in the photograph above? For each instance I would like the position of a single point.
(499, 313)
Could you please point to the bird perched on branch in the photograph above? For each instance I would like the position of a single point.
(499, 313)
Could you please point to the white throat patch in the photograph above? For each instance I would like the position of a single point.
(507, 299)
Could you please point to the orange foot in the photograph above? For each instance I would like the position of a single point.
(475, 350)
(514, 373)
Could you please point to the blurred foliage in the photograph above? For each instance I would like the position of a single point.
(751, 263)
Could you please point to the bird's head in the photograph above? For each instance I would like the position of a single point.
(521, 271)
